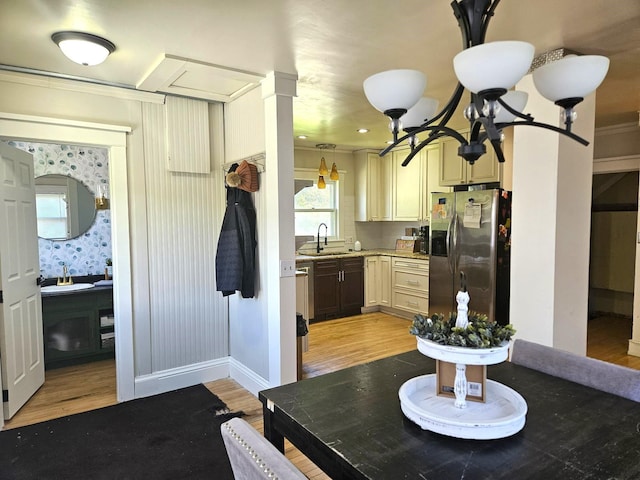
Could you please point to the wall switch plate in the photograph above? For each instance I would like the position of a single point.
(348, 239)
(287, 268)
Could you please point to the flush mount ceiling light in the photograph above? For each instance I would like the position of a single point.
(488, 71)
(83, 48)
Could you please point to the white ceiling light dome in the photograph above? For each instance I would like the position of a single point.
(395, 89)
(515, 99)
(83, 48)
(422, 111)
(570, 77)
(493, 65)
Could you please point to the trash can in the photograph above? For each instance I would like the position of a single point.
(301, 331)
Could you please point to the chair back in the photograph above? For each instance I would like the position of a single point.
(252, 456)
(608, 377)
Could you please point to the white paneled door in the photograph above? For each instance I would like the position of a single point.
(21, 337)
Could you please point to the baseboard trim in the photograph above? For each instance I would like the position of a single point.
(246, 377)
(634, 348)
(181, 377)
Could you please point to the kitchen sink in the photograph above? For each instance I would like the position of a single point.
(66, 288)
(322, 254)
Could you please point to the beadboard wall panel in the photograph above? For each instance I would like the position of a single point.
(186, 326)
(244, 126)
(187, 135)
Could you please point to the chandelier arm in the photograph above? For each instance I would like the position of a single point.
(473, 19)
(447, 112)
(463, 23)
(561, 131)
(434, 136)
(450, 108)
(488, 16)
(497, 148)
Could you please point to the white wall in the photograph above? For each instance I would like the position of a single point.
(551, 227)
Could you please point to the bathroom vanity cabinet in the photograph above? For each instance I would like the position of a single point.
(78, 327)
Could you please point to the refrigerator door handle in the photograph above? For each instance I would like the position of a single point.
(456, 253)
(450, 245)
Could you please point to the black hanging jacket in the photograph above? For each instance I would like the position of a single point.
(235, 257)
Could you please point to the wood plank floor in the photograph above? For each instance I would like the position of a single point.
(333, 345)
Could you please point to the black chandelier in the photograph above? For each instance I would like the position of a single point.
(488, 71)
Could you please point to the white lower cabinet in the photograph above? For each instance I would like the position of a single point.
(377, 281)
(410, 285)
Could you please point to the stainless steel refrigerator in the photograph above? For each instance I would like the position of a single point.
(471, 233)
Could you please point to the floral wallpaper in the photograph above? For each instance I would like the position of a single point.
(86, 254)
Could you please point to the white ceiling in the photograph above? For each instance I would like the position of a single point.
(332, 45)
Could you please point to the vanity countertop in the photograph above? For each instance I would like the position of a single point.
(77, 280)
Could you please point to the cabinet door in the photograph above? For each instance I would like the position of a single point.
(486, 169)
(407, 195)
(385, 281)
(352, 286)
(326, 289)
(385, 192)
(452, 166)
(372, 281)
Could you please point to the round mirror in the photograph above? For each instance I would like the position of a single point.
(65, 207)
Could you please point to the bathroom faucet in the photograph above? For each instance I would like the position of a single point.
(319, 248)
(66, 279)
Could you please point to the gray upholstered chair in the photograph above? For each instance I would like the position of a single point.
(616, 379)
(252, 456)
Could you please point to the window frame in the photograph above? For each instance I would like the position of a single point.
(312, 174)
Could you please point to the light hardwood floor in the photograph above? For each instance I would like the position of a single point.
(333, 345)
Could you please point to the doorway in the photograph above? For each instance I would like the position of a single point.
(74, 231)
(614, 218)
(114, 139)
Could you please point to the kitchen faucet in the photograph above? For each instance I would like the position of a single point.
(319, 248)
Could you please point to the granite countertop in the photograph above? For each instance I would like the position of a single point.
(364, 253)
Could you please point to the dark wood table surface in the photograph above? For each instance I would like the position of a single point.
(349, 423)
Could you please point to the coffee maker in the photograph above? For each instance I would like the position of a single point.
(424, 239)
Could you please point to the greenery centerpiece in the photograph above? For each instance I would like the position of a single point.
(479, 332)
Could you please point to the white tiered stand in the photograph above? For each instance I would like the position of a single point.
(501, 415)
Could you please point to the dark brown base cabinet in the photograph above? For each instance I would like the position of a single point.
(78, 327)
(338, 287)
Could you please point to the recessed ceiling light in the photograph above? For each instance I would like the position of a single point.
(83, 48)
(302, 137)
(363, 130)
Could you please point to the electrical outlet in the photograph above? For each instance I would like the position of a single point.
(348, 239)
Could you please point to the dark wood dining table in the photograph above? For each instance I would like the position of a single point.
(349, 423)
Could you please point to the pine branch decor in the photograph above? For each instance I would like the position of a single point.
(479, 333)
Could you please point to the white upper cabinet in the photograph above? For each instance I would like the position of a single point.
(373, 185)
(412, 185)
(454, 170)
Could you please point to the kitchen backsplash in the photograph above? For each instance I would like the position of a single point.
(86, 254)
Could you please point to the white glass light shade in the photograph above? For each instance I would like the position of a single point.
(395, 89)
(516, 100)
(419, 113)
(570, 77)
(493, 65)
(83, 48)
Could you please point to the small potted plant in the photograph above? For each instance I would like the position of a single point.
(108, 269)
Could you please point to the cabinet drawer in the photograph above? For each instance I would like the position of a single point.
(410, 264)
(411, 281)
(411, 302)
